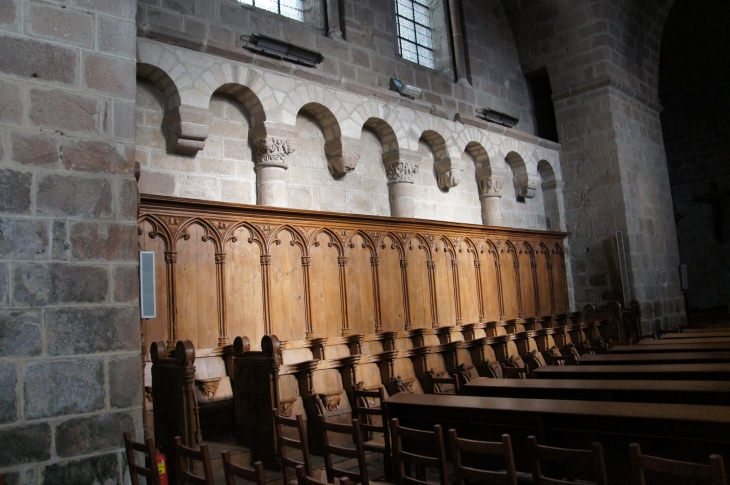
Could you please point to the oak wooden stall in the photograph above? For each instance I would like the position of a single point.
(340, 302)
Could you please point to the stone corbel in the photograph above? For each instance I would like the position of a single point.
(526, 185)
(189, 127)
(449, 172)
(342, 155)
(401, 166)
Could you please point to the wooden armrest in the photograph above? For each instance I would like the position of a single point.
(516, 372)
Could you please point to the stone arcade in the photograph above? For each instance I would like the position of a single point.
(89, 87)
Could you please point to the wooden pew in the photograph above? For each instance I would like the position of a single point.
(655, 358)
(686, 432)
(708, 334)
(676, 372)
(670, 347)
(676, 392)
(691, 341)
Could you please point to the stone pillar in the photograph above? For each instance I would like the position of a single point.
(490, 194)
(272, 145)
(458, 42)
(400, 167)
(334, 30)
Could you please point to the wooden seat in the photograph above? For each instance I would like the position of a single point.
(578, 464)
(304, 479)
(186, 466)
(534, 359)
(404, 459)
(233, 471)
(469, 474)
(685, 473)
(285, 443)
(515, 368)
(439, 383)
(148, 448)
(372, 420)
(358, 452)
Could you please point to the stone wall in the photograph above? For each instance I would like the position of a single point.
(693, 77)
(602, 60)
(361, 45)
(234, 102)
(70, 366)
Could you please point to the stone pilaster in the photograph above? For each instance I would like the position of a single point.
(272, 146)
(400, 167)
(490, 194)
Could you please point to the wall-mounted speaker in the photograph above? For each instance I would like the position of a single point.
(147, 304)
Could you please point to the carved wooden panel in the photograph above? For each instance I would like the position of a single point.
(225, 270)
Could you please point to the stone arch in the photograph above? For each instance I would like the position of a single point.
(525, 186)
(249, 100)
(342, 155)
(549, 189)
(162, 81)
(369, 111)
(448, 171)
(386, 133)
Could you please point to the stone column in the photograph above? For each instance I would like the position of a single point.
(458, 42)
(334, 30)
(490, 194)
(400, 167)
(272, 147)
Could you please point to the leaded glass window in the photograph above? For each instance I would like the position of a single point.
(414, 31)
(288, 8)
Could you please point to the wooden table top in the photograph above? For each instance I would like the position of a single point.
(685, 340)
(656, 358)
(675, 412)
(703, 335)
(643, 371)
(603, 385)
(674, 346)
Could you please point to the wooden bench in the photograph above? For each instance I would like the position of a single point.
(677, 392)
(687, 432)
(703, 335)
(676, 372)
(657, 358)
(686, 340)
(671, 347)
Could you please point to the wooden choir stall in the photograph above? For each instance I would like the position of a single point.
(264, 308)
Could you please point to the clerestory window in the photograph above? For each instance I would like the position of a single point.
(415, 41)
(292, 9)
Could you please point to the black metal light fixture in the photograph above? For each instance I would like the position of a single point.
(404, 89)
(497, 117)
(282, 50)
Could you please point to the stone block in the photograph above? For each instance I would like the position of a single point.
(238, 191)
(162, 18)
(33, 59)
(103, 469)
(128, 200)
(58, 387)
(125, 382)
(360, 57)
(116, 36)
(90, 330)
(8, 393)
(124, 120)
(11, 103)
(99, 157)
(15, 190)
(37, 149)
(194, 187)
(10, 15)
(56, 22)
(23, 238)
(24, 476)
(106, 241)
(80, 436)
(157, 183)
(3, 284)
(63, 111)
(118, 8)
(57, 283)
(110, 75)
(65, 195)
(125, 281)
(59, 243)
(20, 333)
(25, 444)
(185, 7)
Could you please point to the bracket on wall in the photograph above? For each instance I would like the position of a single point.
(282, 50)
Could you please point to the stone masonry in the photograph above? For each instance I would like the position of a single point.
(69, 321)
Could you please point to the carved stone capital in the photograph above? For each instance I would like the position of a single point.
(189, 127)
(449, 172)
(526, 185)
(401, 165)
(272, 151)
(490, 186)
(342, 155)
